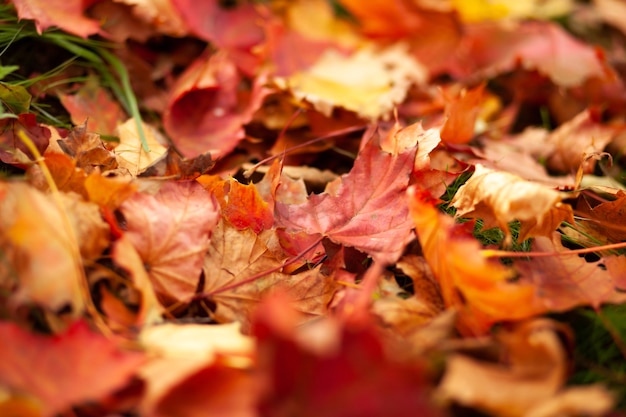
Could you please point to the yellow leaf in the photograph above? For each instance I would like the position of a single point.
(130, 154)
(369, 82)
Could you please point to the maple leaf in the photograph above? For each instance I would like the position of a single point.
(477, 287)
(366, 209)
(369, 82)
(171, 231)
(71, 368)
(499, 198)
(240, 270)
(66, 14)
(130, 152)
(44, 244)
(12, 148)
(92, 105)
(601, 223)
(348, 374)
(205, 112)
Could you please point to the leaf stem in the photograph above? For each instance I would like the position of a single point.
(492, 253)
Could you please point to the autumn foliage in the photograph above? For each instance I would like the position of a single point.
(312, 208)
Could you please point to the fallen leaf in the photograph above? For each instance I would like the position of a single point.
(127, 257)
(363, 210)
(205, 112)
(499, 198)
(493, 48)
(88, 150)
(130, 152)
(369, 82)
(461, 115)
(477, 287)
(93, 106)
(12, 149)
(41, 249)
(171, 232)
(240, 271)
(350, 376)
(535, 371)
(566, 281)
(72, 368)
(66, 14)
(244, 208)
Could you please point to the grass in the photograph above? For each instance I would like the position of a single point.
(91, 54)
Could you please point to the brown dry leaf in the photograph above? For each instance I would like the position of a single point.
(171, 231)
(130, 153)
(370, 82)
(87, 150)
(240, 270)
(533, 371)
(45, 246)
(499, 198)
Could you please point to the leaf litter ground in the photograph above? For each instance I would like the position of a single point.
(314, 207)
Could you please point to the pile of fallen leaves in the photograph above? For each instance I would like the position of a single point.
(313, 208)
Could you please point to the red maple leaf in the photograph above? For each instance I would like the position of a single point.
(366, 209)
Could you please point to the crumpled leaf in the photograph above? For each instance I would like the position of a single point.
(499, 198)
(130, 152)
(65, 14)
(41, 250)
(240, 271)
(171, 231)
(88, 150)
(206, 112)
(529, 384)
(72, 368)
(365, 209)
(476, 286)
(369, 82)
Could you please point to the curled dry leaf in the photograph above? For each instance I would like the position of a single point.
(206, 113)
(171, 231)
(72, 368)
(44, 245)
(499, 198)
